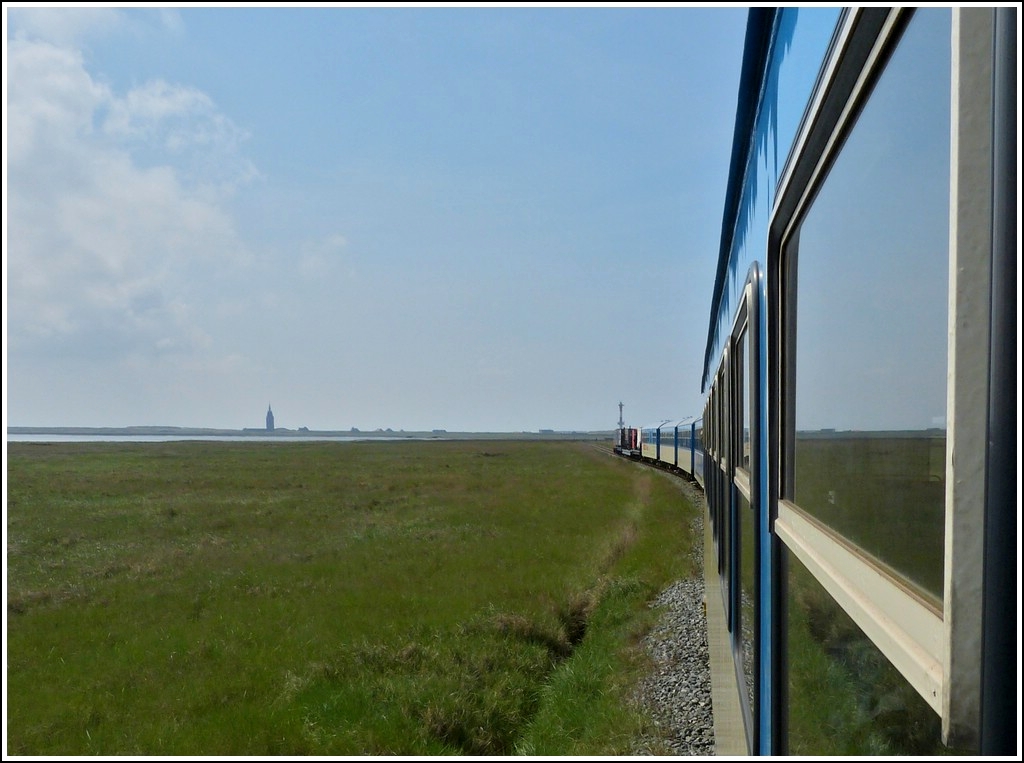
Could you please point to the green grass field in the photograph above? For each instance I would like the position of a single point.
(412, 598)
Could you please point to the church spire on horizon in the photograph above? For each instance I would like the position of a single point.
(270, 419)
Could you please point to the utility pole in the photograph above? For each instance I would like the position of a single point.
(621, 422)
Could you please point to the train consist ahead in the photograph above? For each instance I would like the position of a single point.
(674, 446)
(858, 444)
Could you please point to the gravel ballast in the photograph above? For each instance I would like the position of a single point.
(677, 693)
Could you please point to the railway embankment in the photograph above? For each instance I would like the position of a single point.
(677, 692)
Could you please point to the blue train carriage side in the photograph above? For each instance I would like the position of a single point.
(649, 442)
(659, 444)
(667, 445)
(673, 456)
(688, 456)
(675, 446)
(697, 451)
(860, 460)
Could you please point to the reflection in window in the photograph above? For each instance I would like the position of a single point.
(723, 495)
(872, 279)
(744, 401)
(698, 452)
(746, 529)
(725, 542)
(845, 697)
(748, 595)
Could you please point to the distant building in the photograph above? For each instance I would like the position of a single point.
(270, 419)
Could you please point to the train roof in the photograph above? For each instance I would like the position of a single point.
(667, 424)
(773, 93)
(756, 47)
(657, 425)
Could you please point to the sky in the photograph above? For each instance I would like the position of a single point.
(421, 217)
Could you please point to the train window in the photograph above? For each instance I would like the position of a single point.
(724, 421)
(871, 259)
(748, 595)
(845, 696)
(723, 495)
(698, 452)
(744, 504)
(744, 404)
(861, 232)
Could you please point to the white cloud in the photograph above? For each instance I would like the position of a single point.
(146, 109)
(63, 26)
(170, 20)
(319, 258)
(51, 101)
(115, 208)
(183, 123)
(70, 26)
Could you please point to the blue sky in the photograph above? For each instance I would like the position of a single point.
(481, 219)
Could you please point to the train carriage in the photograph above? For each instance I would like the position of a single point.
(650, 443)
(857, 446)
(861, 588)
(688, 448)
(667, 444)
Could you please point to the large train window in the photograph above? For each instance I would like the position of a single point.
(871, 260)
(743, 499)
(698, 451)
(861, 241)
(722, 493)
